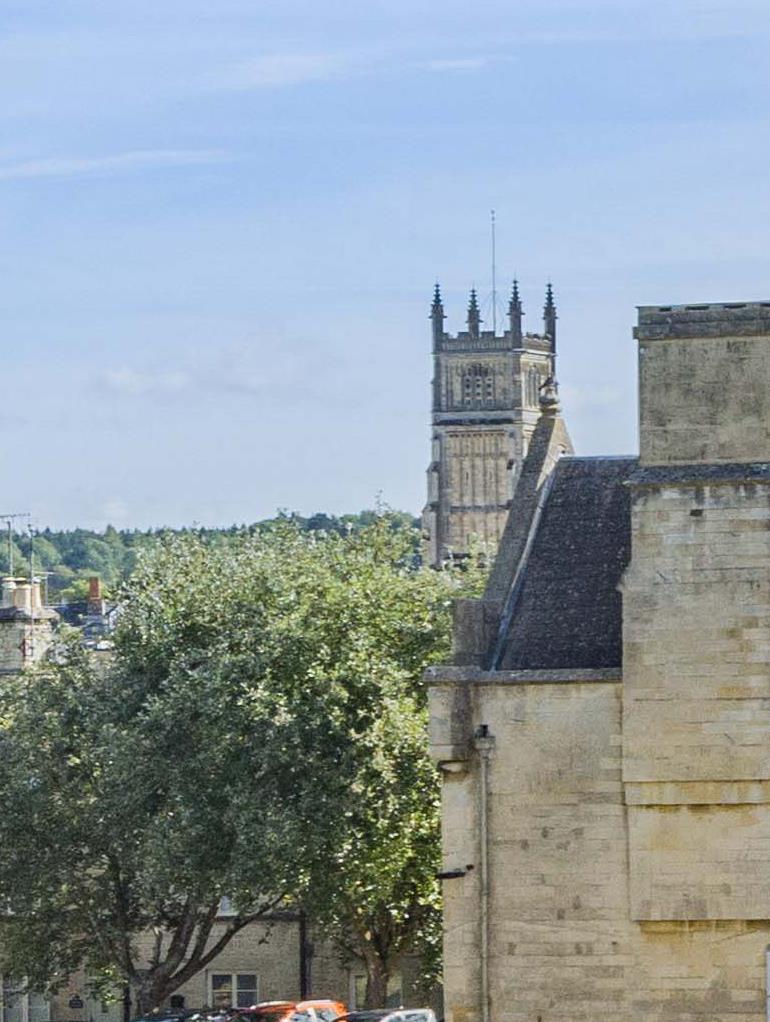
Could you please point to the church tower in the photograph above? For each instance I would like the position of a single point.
(486, 393)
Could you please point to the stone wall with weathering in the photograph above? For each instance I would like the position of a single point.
(565, 946)
(26, 626)
(560, 938)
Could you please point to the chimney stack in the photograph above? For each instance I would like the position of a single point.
(95, 597)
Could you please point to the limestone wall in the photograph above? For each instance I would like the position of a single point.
(696, 667)
(23, 642)
(697, 702)
(703, 393)
(560, 935)
(564, 945)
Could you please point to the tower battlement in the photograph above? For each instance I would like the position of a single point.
(712, 319)
(463, 340)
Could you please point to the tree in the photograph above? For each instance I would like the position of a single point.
(258, 733)
(381, 900)
(360, 615)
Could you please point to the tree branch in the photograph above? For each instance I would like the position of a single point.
(200, 958)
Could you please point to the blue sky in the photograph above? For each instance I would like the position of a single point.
(220, 224)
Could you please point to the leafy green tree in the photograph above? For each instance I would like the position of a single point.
(258, 733)
(365, 619)
(45, 553)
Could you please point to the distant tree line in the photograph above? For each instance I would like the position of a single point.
(68, 558)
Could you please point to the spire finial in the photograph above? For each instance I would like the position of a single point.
(515, 313)
(437, 316)
(474, 316)
(550, 317)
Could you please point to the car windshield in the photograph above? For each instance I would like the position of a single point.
(369, 1016)
(262, 1014)
(162, 1016)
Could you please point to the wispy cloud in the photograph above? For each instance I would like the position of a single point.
(455, 64)
(280, 70)
(234, 372)
(76, 166)
(141, 384)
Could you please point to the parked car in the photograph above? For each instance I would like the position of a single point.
(164, 1015)
(183, 1015)
(290, 1011)
(389, 1015)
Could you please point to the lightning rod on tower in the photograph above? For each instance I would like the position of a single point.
(494, 277)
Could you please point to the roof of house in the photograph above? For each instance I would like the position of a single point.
(563, 608)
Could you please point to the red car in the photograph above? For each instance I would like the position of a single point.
(290, 1011)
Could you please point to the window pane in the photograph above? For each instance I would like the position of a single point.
(246, 989)
(221, 990)
(359, 990)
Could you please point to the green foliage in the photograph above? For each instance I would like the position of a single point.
(112, 554)
(258, 732)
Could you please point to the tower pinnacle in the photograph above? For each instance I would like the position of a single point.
(550, 317)
(437, 314)
(515, 313)
(474, 316)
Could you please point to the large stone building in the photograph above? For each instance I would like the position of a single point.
(486, 389)
(604, 731)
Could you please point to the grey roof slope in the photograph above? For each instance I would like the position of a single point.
(567, 611)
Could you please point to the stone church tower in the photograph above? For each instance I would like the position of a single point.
(486, 390)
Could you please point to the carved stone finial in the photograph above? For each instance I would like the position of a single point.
(549, 397)
(474, 316)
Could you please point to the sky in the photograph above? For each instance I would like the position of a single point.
(221, 222)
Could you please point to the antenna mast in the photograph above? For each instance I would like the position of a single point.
(494, 278)
(9, 520)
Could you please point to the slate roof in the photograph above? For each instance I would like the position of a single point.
(567, 610)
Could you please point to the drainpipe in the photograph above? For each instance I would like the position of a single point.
(304, 984)
(484, 743)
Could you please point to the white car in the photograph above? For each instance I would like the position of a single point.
(389, 1015)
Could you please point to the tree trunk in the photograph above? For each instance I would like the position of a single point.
(141, 998)
(377, 976)
(148, 995)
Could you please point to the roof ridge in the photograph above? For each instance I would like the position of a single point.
(512, 597)
(599, 457)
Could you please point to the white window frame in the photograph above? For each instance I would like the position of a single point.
(24, 1002)
(210, 973)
